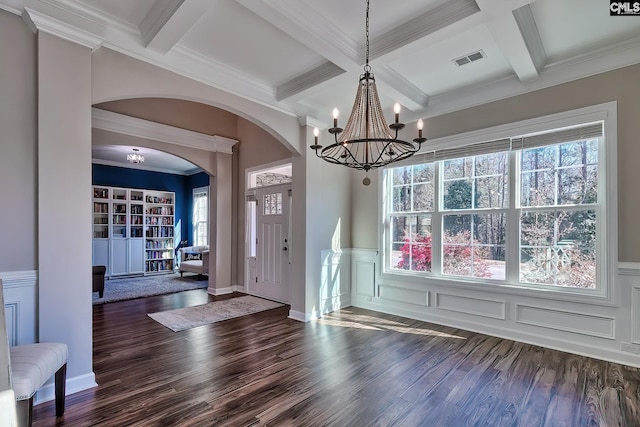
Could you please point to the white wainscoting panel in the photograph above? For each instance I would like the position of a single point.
(635, 315)
(11, 315)
(335, 280)
(580, 326)
(408, 296)
(20, 301)
(470, 305)
(364, 277)
(567, 321)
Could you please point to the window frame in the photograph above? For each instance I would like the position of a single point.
(194, 226)
(607, 240)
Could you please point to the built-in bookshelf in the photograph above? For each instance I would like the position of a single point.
(159, 237)
(100, 213)
(136, 213)
(133, 230)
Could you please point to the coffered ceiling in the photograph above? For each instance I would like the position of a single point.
(304, 57)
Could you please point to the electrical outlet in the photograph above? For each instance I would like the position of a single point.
(368, 299)
(630, 348)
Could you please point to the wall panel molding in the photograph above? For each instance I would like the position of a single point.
(335, 280)
(566, 321)
(20, 290)
(404, 295)
(470, 305)
(635, 315)
(364, 278)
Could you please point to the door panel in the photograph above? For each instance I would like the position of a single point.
(272, 260)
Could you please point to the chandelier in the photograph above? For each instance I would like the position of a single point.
(135, 157)
(367, 142)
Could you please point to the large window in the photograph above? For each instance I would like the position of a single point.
(200, 218)
(527, 210)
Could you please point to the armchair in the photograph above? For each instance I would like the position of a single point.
(194, 259)
(98, 279)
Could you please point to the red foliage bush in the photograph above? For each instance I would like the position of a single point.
(417, 256)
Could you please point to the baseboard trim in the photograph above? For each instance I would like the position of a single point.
(82, 382)
(219, 291)
(300, 316)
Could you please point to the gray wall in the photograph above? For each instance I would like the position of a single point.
(18, 136)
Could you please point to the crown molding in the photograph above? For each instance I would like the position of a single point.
(413, 97)
(311, 122)
(89, 17)
(127, 125)
(37, 21)
(219, 75)
(224, 145)
(16, 8)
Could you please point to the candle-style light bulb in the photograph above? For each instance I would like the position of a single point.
(420, 126)
(316, 132)
(335, 117)
(396, 109)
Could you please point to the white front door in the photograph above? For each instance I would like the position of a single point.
(272, 246)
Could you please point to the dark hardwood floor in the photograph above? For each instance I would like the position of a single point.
(352, 368)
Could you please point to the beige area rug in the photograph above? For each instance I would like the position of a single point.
(191, 317)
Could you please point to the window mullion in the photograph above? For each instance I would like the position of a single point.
(436, 222)
(512, 240)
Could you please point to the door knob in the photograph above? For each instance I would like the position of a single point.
(285, 249)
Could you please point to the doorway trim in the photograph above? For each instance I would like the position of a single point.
(251, 205)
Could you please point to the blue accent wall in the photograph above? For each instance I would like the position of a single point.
(181, 185)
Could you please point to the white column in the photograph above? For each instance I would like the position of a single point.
(220, 220)
(64, 203)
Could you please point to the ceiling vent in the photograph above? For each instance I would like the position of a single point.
(468, 59)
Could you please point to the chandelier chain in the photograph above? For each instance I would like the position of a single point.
(367, 67)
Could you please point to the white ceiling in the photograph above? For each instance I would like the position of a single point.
(305, 56)
(154, 160)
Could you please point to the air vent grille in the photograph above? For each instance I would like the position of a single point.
(469, 58)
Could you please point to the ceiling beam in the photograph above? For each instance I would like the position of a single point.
(516, 34)
(308, 80)
(168, 21)
(300, 21)
(420, 27)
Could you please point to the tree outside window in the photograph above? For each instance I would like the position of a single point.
(556, 209)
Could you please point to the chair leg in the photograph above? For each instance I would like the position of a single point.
(24, 409)
(101, 293)
(60, 384)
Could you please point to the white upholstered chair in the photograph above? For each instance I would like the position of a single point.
(7, 396)
(194, 259)
(31, 365)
